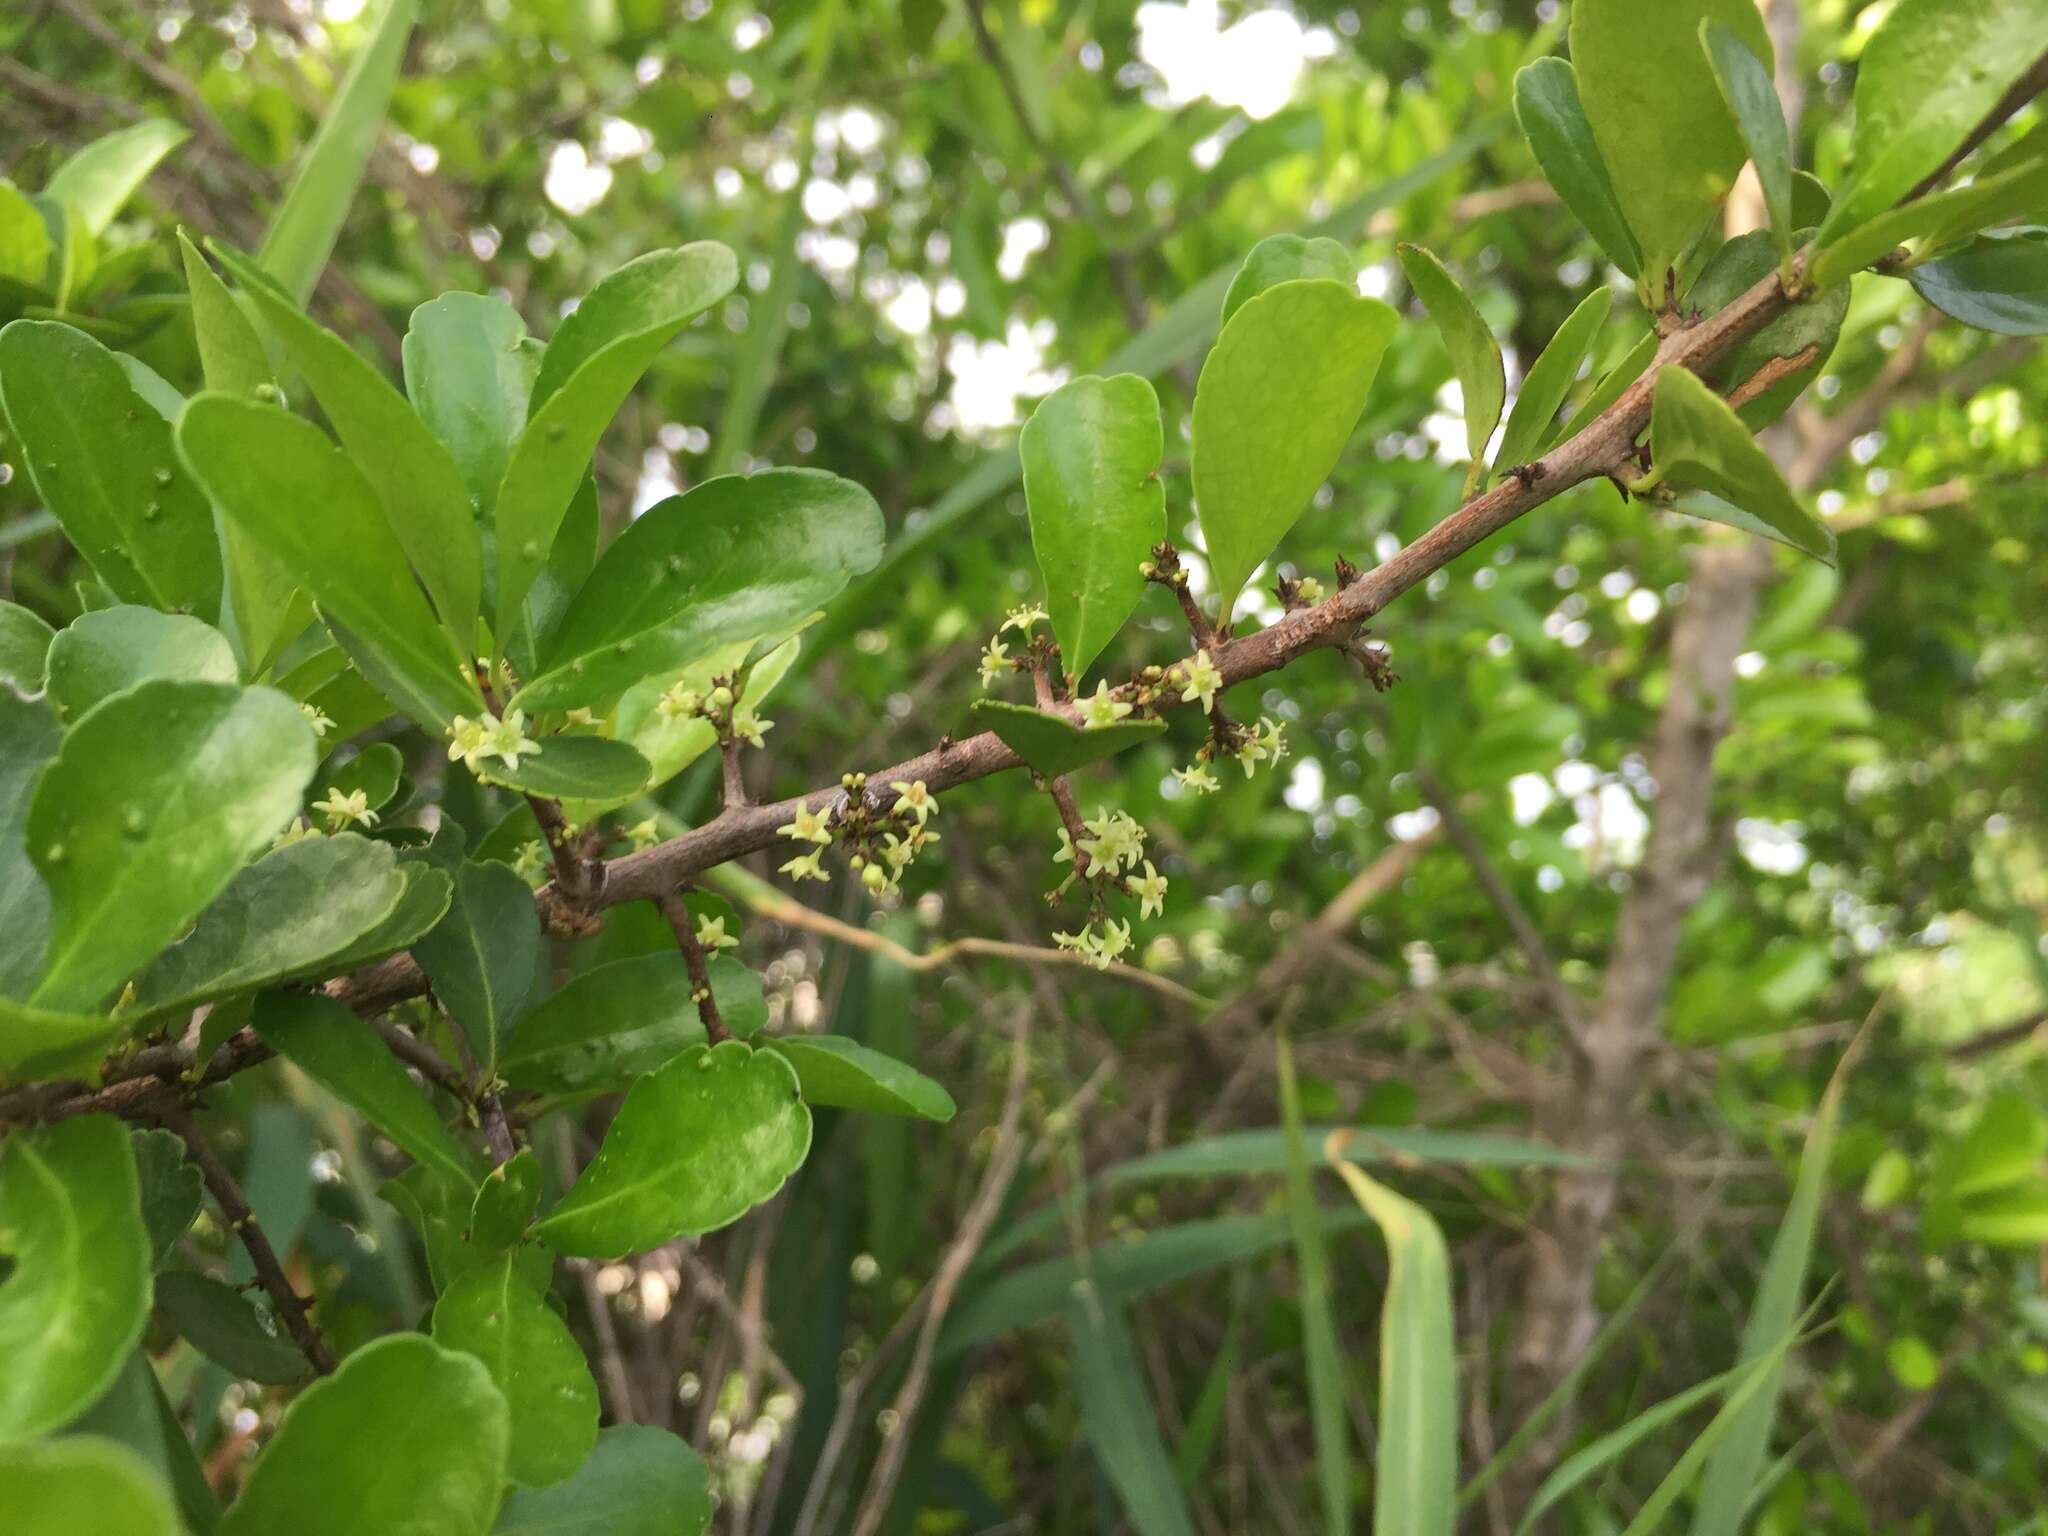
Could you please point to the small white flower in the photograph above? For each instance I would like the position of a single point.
(468, 739)
(809, 825)
(317, 718)
(806, 866)
(1100, 709)
(1203, 680)
(351, 809)
(1150, 889)
(995, 661)
(913, 799)
(1197, 780)
(1022, 618)
(507, 739)
(711, 935)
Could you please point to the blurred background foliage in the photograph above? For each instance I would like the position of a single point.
(943, 208)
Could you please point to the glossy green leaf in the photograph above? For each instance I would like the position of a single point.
(1554, 122)
(307, 502)
(1091, 455)
(29, 737)
(493, 1314)
(1752, 97)
(169, 1189)
(406, 1439)
(1816, 322)
(1119, 1422)
(37, 1043)
(1657, 116)
(637, 1481)
(483, 956)
(345, 1056)
(102, 176)
(1612, 386)
(103, 463)
(695, 1146)
(1278, 397)
(1054, 745)
(83, 1485)
(25, 244)
(303, 233)
(1928, 76)
(1998, 282)
(134, 1414)
(443, 1211)
(505, 1203)
(231, 355)
(1938, 218)
(621, 1020)
(572, 768)
(831, 1069)
(736, 558)
(377, 771)
(285, 917)
(76, 1293)
(590, 366)
(133, 845)
(421, 905)
(1475, 355)
(1284, 258)
(1700, 441)
(469, 370)
(24, 647)
(219, 1322)
(102, 653)
(1332, 1439)
(1550, 379)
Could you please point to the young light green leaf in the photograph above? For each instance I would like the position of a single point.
(622, 1020)
(1812, 326)
(285, 917)
(307, 502)
(493, 1314)
(1663, 130)
(1700, 441)
(1318, 1327)
(103, 175)
(831, 1069)
(1998, 282)
(695, 1146)
(343, 1054)
(1284, 258)
(83, 1485)
(1052, 744)
(169, 1187)
(469, 370)
(1475, 355)
(25, 244)
(133, 845)
(231, 355)
(736, 558)
(483, 956)
(638, 1481)
(1928, 76)
(1940, 217)
(406, 1439)
(100, 654)
(1752, 97)
(1118, 1421)
(103, 463)
(218, 1321)
(589, 368)
(24, 647)
(1547, 106)
(1278, 397)
(29, 738)
(1091, 485)
(77, 1290)
(1551, 378)
(572, 768)
(304, 230)
(1416, 1463)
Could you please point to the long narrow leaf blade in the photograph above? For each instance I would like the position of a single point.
(1119, 1421)
(1319, 1330)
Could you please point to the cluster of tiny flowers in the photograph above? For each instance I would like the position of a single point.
(471, 741)
(916, 804)
(1102, 946)
(1116, 842)
(809, 826)
(1265, 744)
(530, 863)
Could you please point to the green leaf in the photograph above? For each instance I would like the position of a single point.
(406, 1439)
(1998, 282)
(1816, 322)
(288, 916)
(505, 1203)
(2013, 1217)
(103, 653)
(231, 355)
(1663, 130)
(218, 1321)
(831, 1069)
(102, 462)
(1278, 397)
(736, 558)
(1700, 441)
(377, 770)
(483, 956)
(1318, 1325)
(619, 1021)
(1937, 219)
(1416, 1461)
(102, 176)
(1119, 1422)
(1551, 378)
(134, 1415)
(304, 230)
(133, 845)
(1752, 97)
(344, 1055)
(82, 1485)
(535, 1361)
(1554, 122)
(29, 738)
(444, 1212)
(1284, 258)
(305, 501)
(169, 1189)
(1475, 355)
(421, 904)
(589, 368)
(572, 768)
(2004, 1145)
(426, 505)
(24, 647)
(1091, 455)
(469, 369)
(1929, 75)
(638, 1481)
(24, 238)
(1054, 745)
(38, 1044)
(696, 1145)
(1612, 386)
(76, 1293)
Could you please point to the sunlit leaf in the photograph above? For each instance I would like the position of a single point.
(493, 1314)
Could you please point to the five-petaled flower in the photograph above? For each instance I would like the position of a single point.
(711, 935)
(809, 825)
(1203, 680)
(467, 739)
(507, 739)
(346, 810)
(1100, 709)
(1196, 780)
(913, 799)
(1150, 889)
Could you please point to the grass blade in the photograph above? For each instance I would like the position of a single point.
(1319, 1331)
(1198, 1439)
(1119, 1421)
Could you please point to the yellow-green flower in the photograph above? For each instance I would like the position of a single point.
(913, 799)
(1203, 681)
(1100, 709)
(1150, 889)
(351, 809)
(809, 826)
(711, 935)
(806, 866)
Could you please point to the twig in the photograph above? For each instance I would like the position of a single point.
(683, 926)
